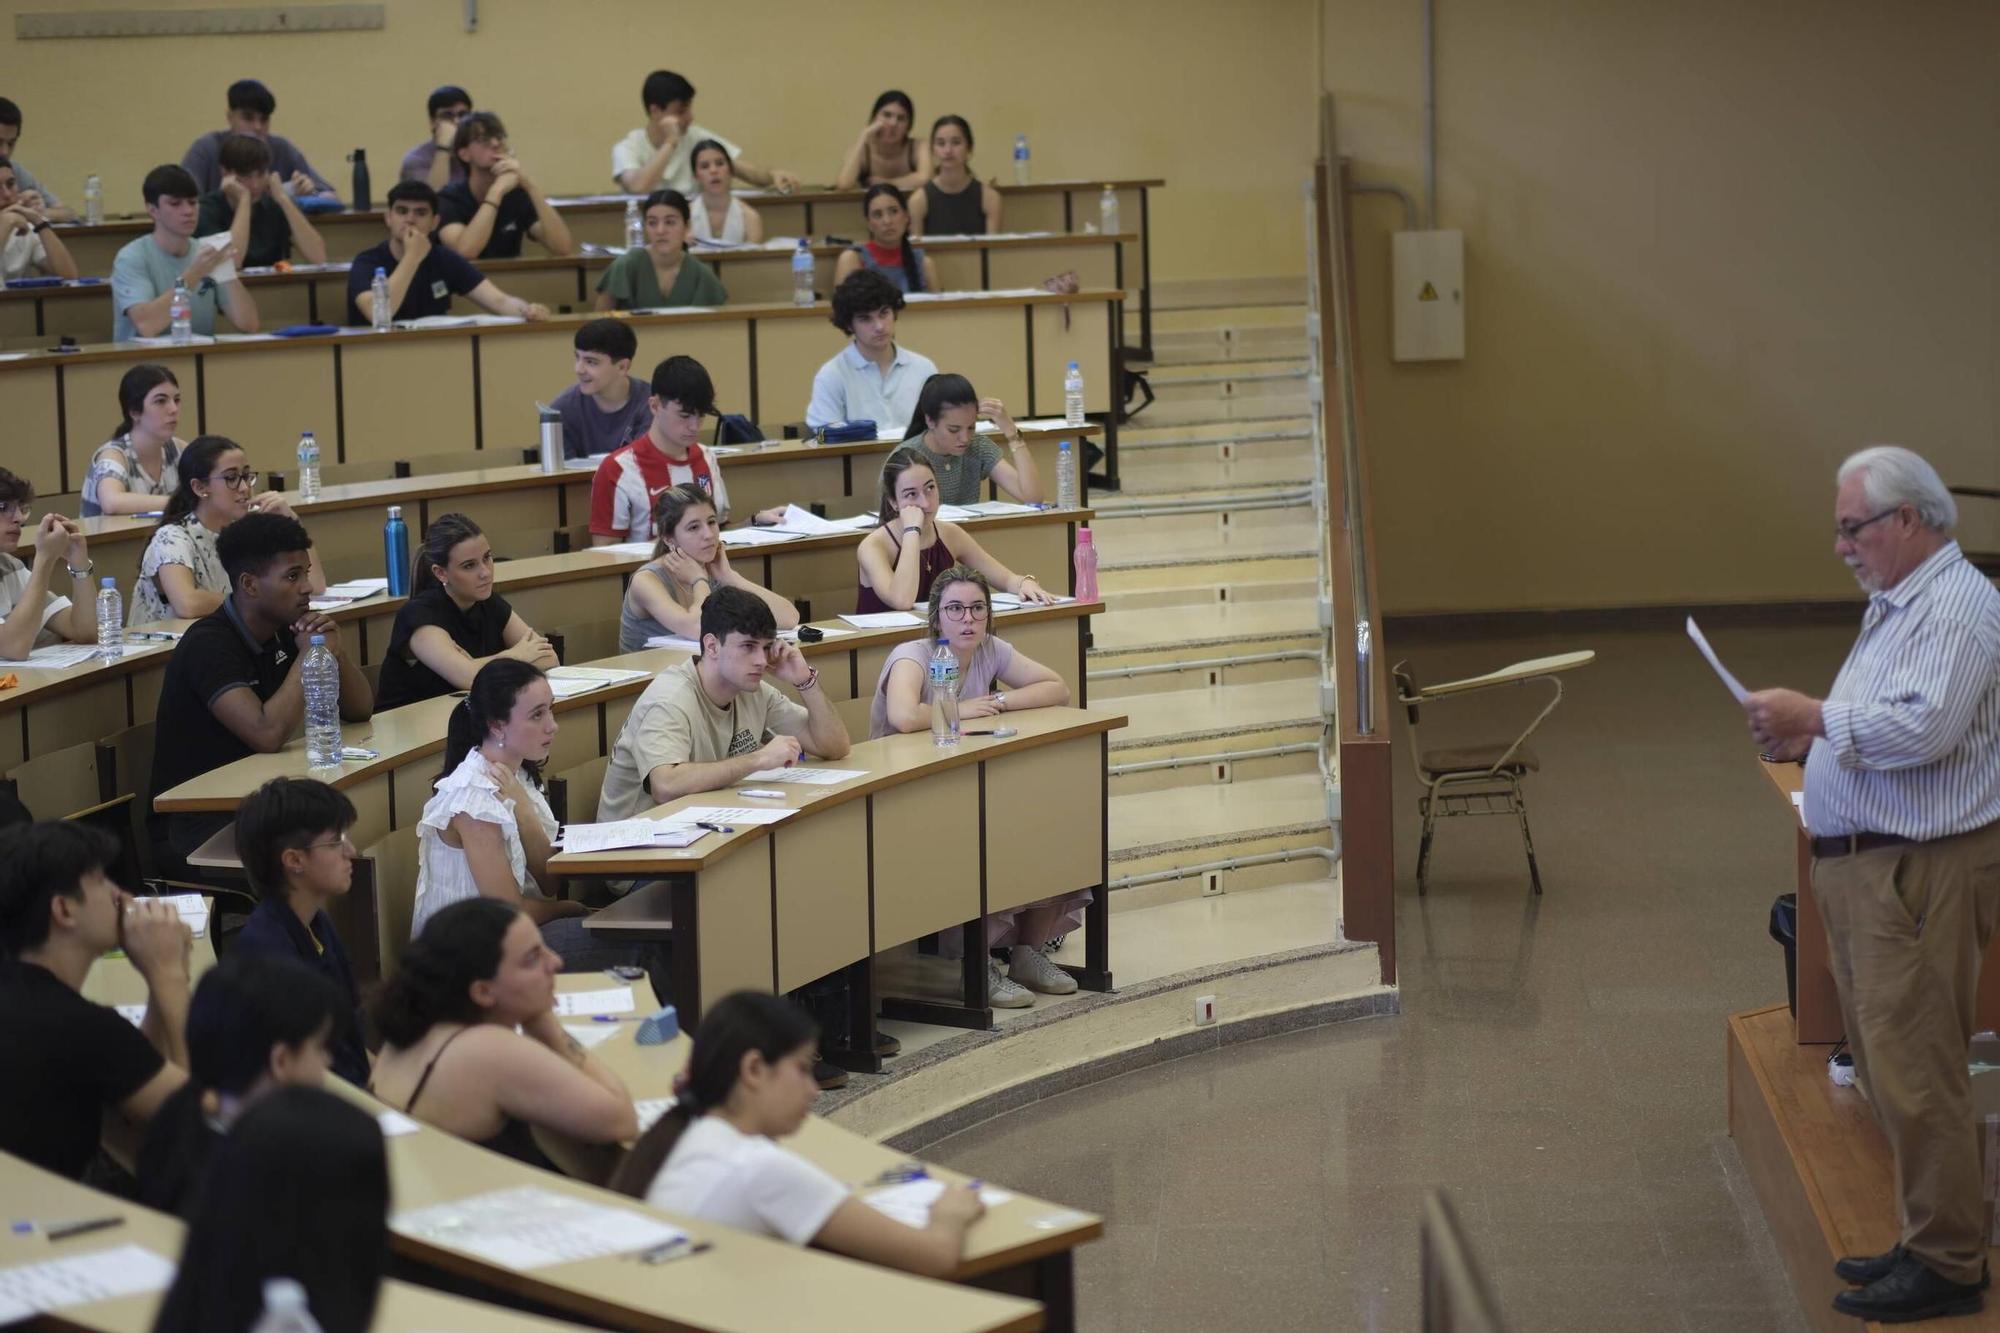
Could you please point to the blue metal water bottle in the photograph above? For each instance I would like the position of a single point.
(396, 552)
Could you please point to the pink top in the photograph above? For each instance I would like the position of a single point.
(989, 662)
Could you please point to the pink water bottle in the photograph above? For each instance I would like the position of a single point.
(1086, 566)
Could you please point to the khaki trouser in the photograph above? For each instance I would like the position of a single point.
(1906, 927)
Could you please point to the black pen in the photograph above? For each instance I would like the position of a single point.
(713, 828)
(64, 1230)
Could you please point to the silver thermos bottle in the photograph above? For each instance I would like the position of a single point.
(552, 444)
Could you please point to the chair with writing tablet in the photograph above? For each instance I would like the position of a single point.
(1485, 778)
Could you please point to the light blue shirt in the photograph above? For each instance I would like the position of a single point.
(143, 271)
(850, 388)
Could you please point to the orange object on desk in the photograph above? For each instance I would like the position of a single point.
(9, 681)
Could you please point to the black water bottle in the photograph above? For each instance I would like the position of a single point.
(362, 199)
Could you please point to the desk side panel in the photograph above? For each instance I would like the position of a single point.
(1044, 817)
(924, 883)
(822, 893)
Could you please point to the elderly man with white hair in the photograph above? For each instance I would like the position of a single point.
(1903, 804)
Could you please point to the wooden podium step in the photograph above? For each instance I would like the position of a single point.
(1819, 1165)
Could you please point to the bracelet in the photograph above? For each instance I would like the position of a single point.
(1015, 444)
(488, 203)
(812, 679)
(43, 226)
(83, 573)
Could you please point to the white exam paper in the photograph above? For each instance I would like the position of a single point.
(910, 1202)
(395, 1124)
(651, 1109)
(531, 1227)
(591, 1034)
(725, 815)
(580, 838)
(757, 536)
(582, 1003)
(1701, 641)
(818, 777)
(883, 620)
(123, 1270)
(53, 657)
(681, 642)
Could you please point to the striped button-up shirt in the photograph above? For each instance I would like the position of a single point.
(1912, 744)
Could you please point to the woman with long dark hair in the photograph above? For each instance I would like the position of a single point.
(689, 562)
(901, 559)
(180, 575)
(454, 622)
(945, 426)
(138, 467)
(954, 202)
(749, 1082)
(884, 152)
(716, 214)
(888, 250)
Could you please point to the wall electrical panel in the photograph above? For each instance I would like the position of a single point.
(1427, 274)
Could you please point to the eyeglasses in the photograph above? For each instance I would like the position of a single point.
(1852, 531)
(17, 509)
(344, 842)
(965, 610)
(245, 479)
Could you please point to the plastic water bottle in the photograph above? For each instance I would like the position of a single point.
(396, 552)
(285, 1309)
(1065, 476)
(1107, 212)
(635, 226)
(320, 674)
(1085, 561)
(110, 620)
(1020, 159)
(93, 200)
(802, 273)
(308, 466)
(378, 292)
(944, 695)
(180, 314)
(1073, 396)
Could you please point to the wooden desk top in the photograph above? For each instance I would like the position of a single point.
(888, 762)
(1788, 778)
(414, 731)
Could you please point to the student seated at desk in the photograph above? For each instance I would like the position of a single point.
(33, 192)
(292, 837)
(953, 201)
(181, 573)
(454, 622)
(254, 207)
(668, 454)
(251, 107)
(714, 1154)
(608, 405)
(29, 244)
(900, 560)
(135, 470)
(471, 1043)
(993, 679)
(666, 594)
(298, 1189)
(888, 250)
(873, 378)
(144, 271)
(77, 1072)
(718, 214)
(432, 161)
(257, 1023)
(884, 152)
(32, 613)
(712, 721)
(230, 690)
(423, 276)
(660, 152)
(663, 273)
(485, 215)
(944, 428)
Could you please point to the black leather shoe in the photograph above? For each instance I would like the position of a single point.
(886, 1045)
(1908, 1293)
(1860, 1269)
(828, 1075)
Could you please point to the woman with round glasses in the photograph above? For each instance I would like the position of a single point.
(180, 576)
(993, 678)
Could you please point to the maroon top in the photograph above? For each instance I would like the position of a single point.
(934, 560)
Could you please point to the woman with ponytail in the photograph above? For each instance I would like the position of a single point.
(454, 622)
(888, 250)
(138, 466)
(689, 562)
(180, 575)
(470, 1041)
(945, 429)
(748, 1082)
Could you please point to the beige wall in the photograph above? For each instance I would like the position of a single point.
(1216, 98)
(1710, 248)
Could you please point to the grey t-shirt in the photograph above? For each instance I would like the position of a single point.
(961, 479)
(589, 432)
(143, 271)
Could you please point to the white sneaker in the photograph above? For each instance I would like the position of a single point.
(1033, 969)
(1002, 993)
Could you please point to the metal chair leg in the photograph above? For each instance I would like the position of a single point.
(1424, 848)
(1528, 841)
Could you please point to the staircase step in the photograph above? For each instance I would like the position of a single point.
(1232, 734)
(1225, 412)
(1145, 478)
(1141, 575)
(1173, 830)
(1182, 935)
(1190, 631)
(1243, 586)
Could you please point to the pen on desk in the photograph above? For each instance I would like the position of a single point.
(713, 828)
(615, 1018)
(165, 636)
(64, 1230)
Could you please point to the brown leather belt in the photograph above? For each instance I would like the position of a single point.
(1849, 843)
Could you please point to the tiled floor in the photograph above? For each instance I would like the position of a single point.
(1557, 1066)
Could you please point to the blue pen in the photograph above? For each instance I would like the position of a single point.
(614, 1018)
(713, 828)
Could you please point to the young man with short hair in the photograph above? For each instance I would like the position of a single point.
(28, 243)
(608, 405)
(230, 688)
(872, 378)
(292, 837)
(35, 194)
(251, 106)
(432, 161)
(661, 152)
(78, 1075)
(256, 209)
(485, 215)
(142, 276)
(423, 276)
(668, 454)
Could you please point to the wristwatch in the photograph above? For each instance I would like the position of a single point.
(83, 573)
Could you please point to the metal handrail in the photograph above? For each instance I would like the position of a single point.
(1337, 249)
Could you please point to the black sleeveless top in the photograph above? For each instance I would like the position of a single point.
(961, 214)
(516, 1138)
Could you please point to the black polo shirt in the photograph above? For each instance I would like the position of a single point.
(480, 630)
(274, 928)
(444, 274)
(517, 215)
(64, 1061)
(216, 655)
(270, 232)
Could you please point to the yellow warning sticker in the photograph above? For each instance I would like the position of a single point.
(1429, 293)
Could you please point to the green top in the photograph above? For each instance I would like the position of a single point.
(635, 286)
